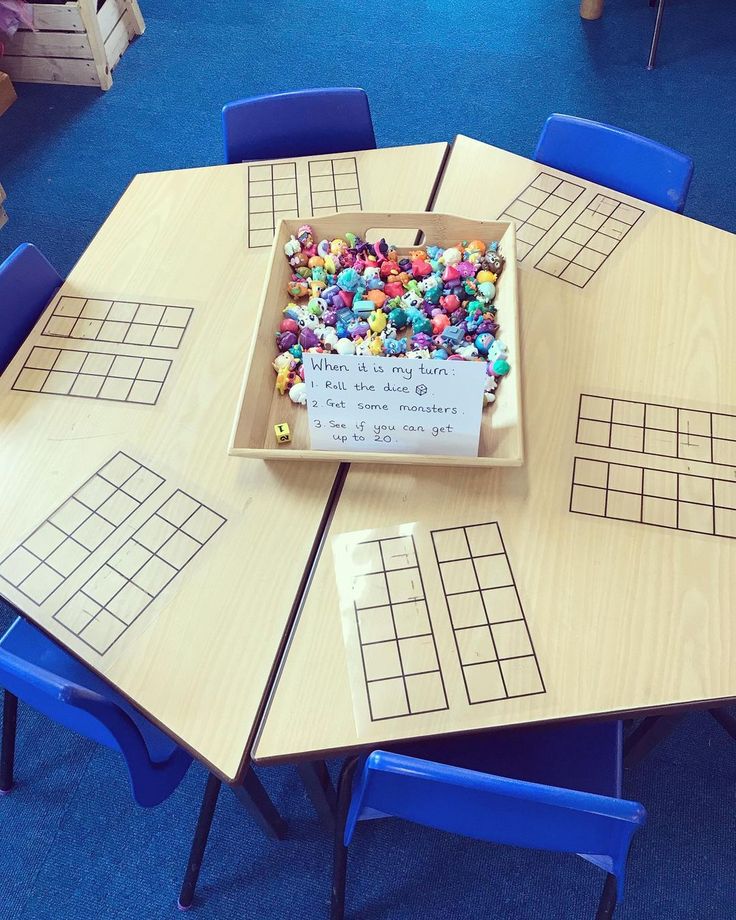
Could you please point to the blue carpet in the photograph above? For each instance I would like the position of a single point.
(73, 845)
(67, 153)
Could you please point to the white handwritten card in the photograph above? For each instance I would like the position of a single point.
(404, 406)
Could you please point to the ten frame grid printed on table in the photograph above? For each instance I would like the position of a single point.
(121, 589)
(118, 321)
(538, 208)
(399, 656)
(492, 639)
(643, 495)
(93, 375)
(334, 185)
(659, 430)
(53, 552)
(582, 248)
(273, 194)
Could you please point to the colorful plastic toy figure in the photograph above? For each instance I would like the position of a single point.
(377, 320)
(305, 235)
(395, 346)
(349, 296)
(286, 377)
(298, 393)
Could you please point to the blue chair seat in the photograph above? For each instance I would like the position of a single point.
(27, 642)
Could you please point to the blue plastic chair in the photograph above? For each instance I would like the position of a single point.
(37, 671)
(27, 284)
(309, 122)
(617, 159)
(489, 787)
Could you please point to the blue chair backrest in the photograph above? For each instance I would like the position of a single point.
(617, 159)
(27, 284)
(90, 714)
(497, 809)
(305, 123)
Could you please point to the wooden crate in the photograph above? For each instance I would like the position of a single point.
(74, 42)
(261, 406)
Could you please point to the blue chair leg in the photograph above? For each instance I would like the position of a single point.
(254, 798)
(7, 747)
(318, 785)
(199, 843)
(607, 904)
(340, 853)
(655, 36)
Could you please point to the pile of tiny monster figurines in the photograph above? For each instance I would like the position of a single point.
(353, 297)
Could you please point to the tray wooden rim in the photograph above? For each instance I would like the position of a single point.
(368, 220)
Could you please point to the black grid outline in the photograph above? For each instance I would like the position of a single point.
(472, 558)
(681, 483)
(683, 441)
(133, 326)
(263, 236)
(97, 378)
(551, 187)
(395, 639)
(592, 213)
(334, 191)
(88, 514)
(103, 608)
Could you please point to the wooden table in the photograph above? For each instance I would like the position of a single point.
(198, 657)
(624, 617)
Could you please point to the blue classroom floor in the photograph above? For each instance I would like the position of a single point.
(73, 845)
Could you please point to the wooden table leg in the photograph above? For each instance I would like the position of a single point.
(591, 9)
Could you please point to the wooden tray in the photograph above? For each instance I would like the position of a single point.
(261, 406)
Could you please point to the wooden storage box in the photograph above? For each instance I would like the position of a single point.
(261, 406)
(75, 43)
